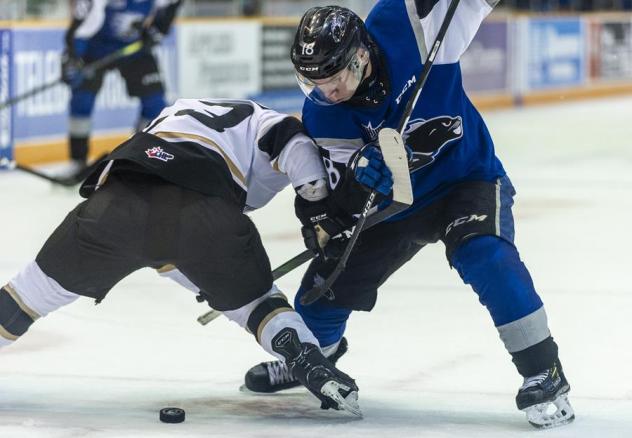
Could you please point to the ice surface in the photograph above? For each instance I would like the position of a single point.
(428, 359)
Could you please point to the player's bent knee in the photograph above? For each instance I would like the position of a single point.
(493, 268)
(15, 316)
(266, 316)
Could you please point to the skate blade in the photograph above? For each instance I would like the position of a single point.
(550, 414)
(349, 403)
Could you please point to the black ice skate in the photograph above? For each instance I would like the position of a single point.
(544, 398)
(308, 365)
(275, 376)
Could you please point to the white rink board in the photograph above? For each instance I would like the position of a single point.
(219, 59)
(428, 360)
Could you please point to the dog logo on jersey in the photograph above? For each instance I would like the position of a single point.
(427, 138)
(159, 154)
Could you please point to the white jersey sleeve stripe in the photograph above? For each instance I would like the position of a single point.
(417, 29)
(93, 20)
(301, 161)
(465, 23)
(210, 144)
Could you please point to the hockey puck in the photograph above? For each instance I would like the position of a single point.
(172, 415)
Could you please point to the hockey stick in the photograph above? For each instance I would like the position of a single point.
(69, 181)
(128, 50)
(5, 162)
(390, 138)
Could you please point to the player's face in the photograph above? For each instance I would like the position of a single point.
(339, 87)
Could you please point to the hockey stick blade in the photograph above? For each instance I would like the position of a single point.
(5, 162)
(395, 157)
(82, 174)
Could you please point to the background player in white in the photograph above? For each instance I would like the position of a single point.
(358, 79)
(172, 197)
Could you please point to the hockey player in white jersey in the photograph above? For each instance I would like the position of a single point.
(358, 77)
(173, 197)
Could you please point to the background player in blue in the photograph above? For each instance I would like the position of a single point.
(358, 79)
(98, 28)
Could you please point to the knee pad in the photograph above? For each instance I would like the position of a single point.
(327, 322)
(493, 268)
(152, 105)
(268, 315)
(15, 316)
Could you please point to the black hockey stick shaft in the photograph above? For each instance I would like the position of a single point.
(319, 290)
(29, 93)
(128, 50)
(13, 165)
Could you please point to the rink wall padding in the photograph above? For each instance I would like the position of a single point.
(514, 60)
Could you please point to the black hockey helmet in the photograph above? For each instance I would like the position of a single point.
(326, 40)
(330, 54)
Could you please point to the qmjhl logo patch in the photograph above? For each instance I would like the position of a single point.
(159, 154)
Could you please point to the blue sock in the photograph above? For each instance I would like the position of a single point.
(326, 322)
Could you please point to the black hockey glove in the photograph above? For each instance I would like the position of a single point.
(151, 36)
(72, 69)
(322, 227)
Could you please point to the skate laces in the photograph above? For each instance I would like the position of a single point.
(278, 372)
(538, 379)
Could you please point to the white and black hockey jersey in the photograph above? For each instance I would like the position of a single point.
(236, 149)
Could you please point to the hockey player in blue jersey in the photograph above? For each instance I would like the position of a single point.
(358, 78)
(99, 28)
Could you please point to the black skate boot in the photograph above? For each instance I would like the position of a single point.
(544, 398)
(333, 388)
(275, 376)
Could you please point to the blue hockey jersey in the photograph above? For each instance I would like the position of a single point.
(103, 26)
(450, 141)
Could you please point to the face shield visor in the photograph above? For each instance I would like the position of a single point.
(341, 86)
